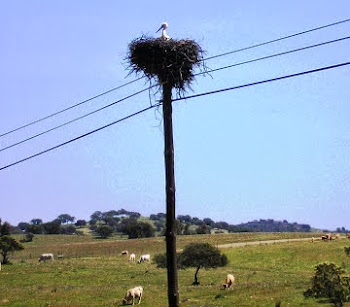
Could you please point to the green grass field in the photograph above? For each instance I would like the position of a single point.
(93, 273)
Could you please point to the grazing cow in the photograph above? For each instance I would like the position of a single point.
(124, 253)
(133, 293)
(348, 236)
(337, 236)
(230, 279)
(132, 257)
(143, 258)
(324, 238)
(44, 257)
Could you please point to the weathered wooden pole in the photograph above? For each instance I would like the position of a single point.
(171, 61)
(170, 233)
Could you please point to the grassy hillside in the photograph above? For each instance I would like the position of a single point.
(87, 245)
(94, 274)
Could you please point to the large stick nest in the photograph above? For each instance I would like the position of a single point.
(171, 61)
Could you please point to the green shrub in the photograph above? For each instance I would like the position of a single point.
(104, 231)
(347, 250)
(28, 237)
(329, 281)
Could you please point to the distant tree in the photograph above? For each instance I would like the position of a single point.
(52, 228)
(111, 218)
(184, 218)
(221, 225)
(122, 212)
(80, 223)
(8, 245)
(196, 221)
(201, 255)
(104, 231)
(135, 229)
(23, 226)
(68, 230)
(96, 216)
(329, 281)
(160, 226)
(209, 222)
(179, 227)
(157, 217)
(161, 216)
(203, 229)
(5, 228)
(342, 230)
(36, 229)
(28, 237)
(36, 221)
(65, 218)
(187, 231)
(134, 215)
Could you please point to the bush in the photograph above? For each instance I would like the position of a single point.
(7, 246)
(329, 281)
(135, 229)
(347, 250)
(28, 237)
(161, 261)
(104, 231)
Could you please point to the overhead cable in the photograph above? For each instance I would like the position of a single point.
(177, 99)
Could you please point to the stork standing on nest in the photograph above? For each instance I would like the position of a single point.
(163, 27)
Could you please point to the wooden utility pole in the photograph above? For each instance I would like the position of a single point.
(170, 234)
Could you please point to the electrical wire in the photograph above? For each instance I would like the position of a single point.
(69, 108)
(209, 58)
(81, 136)
(278, 39)
(182, 98)
(75, 119)
(207, 71)
(276, 55)
(263, 81)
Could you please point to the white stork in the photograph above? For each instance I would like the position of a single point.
(163, 27)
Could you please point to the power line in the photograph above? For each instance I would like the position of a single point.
(177, 99)
(81, 136)
(209, 58)
(69, 108)
(278, 39)
(208, 71)
(278, 54)
(74, 120)
(263, 81)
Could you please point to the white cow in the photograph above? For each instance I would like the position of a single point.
(44, 257)
(133, 293)
(143, 258)
(230, 279)
(132, 257)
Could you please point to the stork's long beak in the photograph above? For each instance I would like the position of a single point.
(161, 27)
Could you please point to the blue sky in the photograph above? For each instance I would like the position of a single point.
(279, 150)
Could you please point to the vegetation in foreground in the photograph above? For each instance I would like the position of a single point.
(95, 274)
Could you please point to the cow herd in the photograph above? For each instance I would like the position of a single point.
(136, 293)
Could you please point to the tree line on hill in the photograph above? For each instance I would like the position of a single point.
(132, 224)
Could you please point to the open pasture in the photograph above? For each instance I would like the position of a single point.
(89, 246)
(265, 275)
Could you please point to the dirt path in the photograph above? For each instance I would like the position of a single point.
(240, 244)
